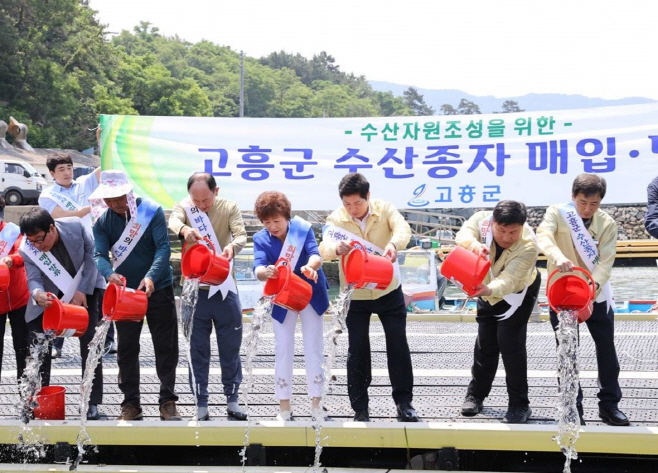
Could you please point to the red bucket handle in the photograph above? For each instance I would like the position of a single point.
(204, 239)
(590, 282)
(122, 288)
(355, 246)
(284, 263)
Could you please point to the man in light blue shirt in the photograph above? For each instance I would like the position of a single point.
(70, 198)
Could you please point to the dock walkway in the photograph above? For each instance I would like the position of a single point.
(441, 356)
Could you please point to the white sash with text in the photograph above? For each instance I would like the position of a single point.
(133, 232)
(200, 222)
(585, 246)
(8, 237)
(49, 265)
(335, 234)
(515, 299)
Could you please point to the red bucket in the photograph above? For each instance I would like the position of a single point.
(571, 292)
(67, 320)
(366, 271)
(200, 263)
(292, 292)
(4, 277)
(465, 269)
(51, 403)
(123, 304)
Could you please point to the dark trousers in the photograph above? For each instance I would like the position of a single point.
(392, 313)
(226, 316)
(506, 338)
(601, 326)
(161, 317)
(36, 326)
(19, 335)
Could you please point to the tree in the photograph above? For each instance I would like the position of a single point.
(511, 106)
(416, 103)
(447, 109)
(466, 107)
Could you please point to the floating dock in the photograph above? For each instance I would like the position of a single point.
(441, 356)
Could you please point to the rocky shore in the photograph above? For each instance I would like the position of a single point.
(629, 218)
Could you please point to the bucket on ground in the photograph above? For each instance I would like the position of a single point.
(572, 292)
(123, 304)
(51, 403)
(465, 269)
(4, 277)
(67, 320)
(366, 271)
(199, 262)
(292, 292)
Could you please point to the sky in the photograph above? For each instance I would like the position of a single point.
(503, 48)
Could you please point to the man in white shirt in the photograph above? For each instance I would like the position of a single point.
(70, 198)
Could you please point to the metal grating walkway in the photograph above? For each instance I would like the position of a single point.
(441, 356)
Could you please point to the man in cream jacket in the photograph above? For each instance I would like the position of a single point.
(506, 298)
(579, 233)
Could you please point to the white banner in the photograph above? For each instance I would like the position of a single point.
(414, 162)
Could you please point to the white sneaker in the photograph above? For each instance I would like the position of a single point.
(285, 416)
(202, 414)
(319, 415)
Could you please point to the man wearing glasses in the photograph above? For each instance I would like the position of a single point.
(59, 260)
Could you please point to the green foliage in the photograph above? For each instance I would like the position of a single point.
(511, 106)
(59, 70)
(466, 107)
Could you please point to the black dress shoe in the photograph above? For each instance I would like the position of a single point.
(472, 406)
(517, 415)
(361, 416)
(407, 413)
(236, 415)
(92, 412)
(614, 417)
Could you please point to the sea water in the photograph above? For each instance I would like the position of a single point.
(568, 420)
(188, 301)
(339, 312)
(262, 314)
(96, 349)
(30, 445)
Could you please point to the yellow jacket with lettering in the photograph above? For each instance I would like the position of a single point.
(515, 268)
(384, 225)
(554, 239)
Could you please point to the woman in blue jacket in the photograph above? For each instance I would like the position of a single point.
(294, 240)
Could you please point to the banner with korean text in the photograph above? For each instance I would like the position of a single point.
(413, 162)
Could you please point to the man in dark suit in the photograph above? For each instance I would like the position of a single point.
(71, 275)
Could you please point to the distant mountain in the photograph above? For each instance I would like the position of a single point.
(489, 104)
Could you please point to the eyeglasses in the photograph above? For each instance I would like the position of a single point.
(39, 241)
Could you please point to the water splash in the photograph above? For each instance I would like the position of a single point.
(96, 349)
(30, 445)
(262, 313)
(339, 311)
(189, 297)
(567, 361)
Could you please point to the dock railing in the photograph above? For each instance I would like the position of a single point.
(436, 226)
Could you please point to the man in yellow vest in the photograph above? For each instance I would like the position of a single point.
(579, 233)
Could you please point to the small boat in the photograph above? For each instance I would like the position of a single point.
(250, 289)
(422, 284)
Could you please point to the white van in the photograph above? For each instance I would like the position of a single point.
(20, 183)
